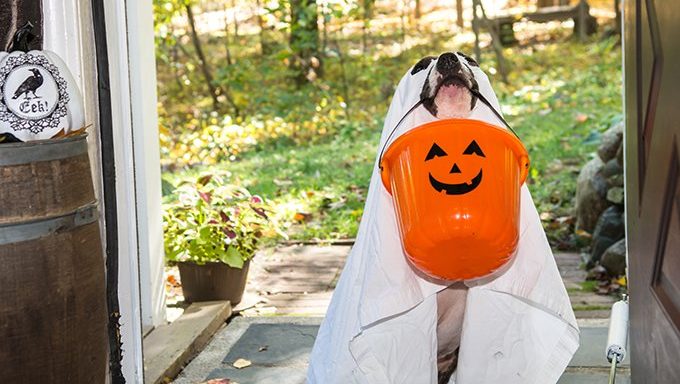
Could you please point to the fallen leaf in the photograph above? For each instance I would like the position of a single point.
(301, 216)
(242, 363)
(566, 220)
(203, 180)
(219, 381)
(282, 183)
(581, 118)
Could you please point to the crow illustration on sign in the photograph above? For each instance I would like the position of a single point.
(31, 84)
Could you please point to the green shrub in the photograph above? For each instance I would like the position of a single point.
(211, 220)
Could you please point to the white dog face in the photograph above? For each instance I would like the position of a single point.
(447, 90)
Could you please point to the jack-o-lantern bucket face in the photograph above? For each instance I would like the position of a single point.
(455, 186)
(459, 187)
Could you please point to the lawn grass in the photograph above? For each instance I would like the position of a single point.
(318, 190)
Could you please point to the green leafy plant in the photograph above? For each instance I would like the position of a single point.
(211, 220)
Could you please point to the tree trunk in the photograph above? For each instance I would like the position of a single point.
(203, 64)
(368, 16)
(264, 48)
(174, 64)
(304, 41)
(404, 5)
(617, 9)
(233, 7)
(495, 41)
(326, 17)
(226, 37)
(343, 78)
(417, 12)
(459, 13)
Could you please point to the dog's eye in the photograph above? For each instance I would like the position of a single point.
(473, 149)
(435, 151)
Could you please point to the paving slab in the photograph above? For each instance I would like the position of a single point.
(274, 344)
(283, 336)
(278, 349)
(593, 378)
(293, 280)
(591, 353)
(271, 375)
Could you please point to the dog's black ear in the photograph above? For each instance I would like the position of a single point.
(469, 59)
(422, 64)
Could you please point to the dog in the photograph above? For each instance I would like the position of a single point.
(449, 91)
(387, 323)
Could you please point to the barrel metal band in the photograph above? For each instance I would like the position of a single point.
(42, 150)
(31, 230)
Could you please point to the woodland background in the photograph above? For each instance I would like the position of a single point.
(287, 98)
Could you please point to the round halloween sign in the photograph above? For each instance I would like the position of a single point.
(37, 96)
(30, 92)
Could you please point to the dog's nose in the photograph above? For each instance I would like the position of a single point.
(447, 61)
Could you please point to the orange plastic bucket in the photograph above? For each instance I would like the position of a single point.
(456, 190)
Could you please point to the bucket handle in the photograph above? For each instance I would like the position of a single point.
(382, 151)
(525, 169)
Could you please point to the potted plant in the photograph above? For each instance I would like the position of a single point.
(212, 229)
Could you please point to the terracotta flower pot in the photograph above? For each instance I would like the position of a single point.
(212, 281)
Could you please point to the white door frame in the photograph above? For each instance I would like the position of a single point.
(68, 31)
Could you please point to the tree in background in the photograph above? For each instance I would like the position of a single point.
(164, 12)
(304, 41)
(367, 16)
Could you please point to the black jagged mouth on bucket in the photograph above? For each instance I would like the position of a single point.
(456, 189)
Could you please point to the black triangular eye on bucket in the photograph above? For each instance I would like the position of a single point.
(435, 151)
(473, 148)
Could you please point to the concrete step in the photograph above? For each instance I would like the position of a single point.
(593, 377)
(168, 348)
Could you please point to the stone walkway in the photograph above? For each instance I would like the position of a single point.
(275, 350)
(288, 293)
(298, 280)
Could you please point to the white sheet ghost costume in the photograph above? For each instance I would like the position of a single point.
(380, 327)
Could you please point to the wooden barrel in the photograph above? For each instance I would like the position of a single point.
(53, 320)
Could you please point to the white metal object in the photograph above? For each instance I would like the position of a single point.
(618, 336)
